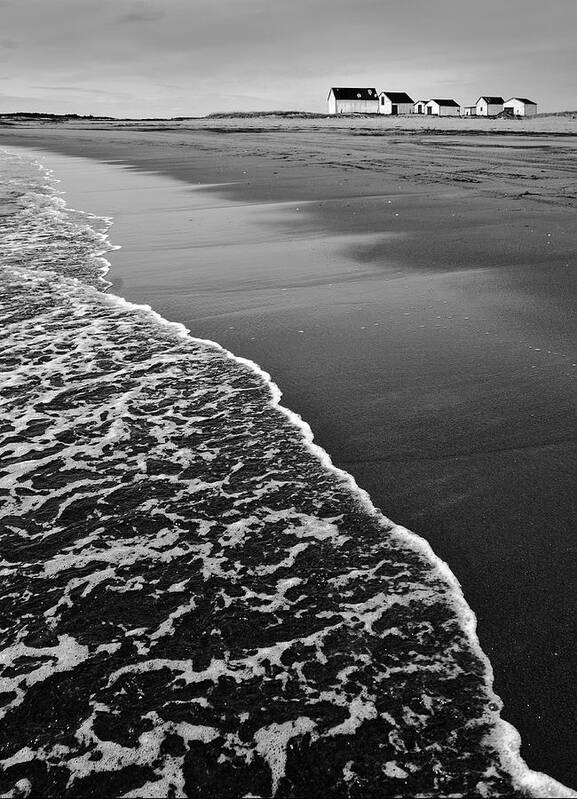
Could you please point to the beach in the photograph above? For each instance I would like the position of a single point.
(411, 291)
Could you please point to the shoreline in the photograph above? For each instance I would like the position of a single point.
(437, 580)
(388, 245)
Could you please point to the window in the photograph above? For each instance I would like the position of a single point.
(382, 100)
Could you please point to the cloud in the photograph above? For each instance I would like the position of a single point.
(142, 12)
(71, 90)
(205, 54)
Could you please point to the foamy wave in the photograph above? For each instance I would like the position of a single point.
(200, 598)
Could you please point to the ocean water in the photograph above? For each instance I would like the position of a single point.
(195, 601)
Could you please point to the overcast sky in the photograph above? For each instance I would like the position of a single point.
(190, 57)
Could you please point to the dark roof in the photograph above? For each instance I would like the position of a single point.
(354, 94)
(398, 97)
(451, 103)
(492, 100)
(522, 100)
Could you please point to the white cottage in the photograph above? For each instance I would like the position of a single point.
(489, 106)
(443, 108)
(419, 107)
(521, 107)
(394, 103)
(353, 101)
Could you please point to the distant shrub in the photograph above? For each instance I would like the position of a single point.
(52, 117)
(257, 114)
(566, 114)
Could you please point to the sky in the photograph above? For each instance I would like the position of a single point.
(164, 58)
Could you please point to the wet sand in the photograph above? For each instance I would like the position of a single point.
(422, 325)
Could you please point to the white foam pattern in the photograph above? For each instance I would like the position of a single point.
(199, 602)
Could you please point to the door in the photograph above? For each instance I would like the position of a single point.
(395, 110)
(429, 109)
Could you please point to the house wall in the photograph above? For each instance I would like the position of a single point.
(332, 104)
(419, 108)
(485, 109)
(443, 111)
(516, 107)
(470, 111)
(357, 106)
(386, 106)
(520, 109)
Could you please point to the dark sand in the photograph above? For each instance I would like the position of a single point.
(413, 296)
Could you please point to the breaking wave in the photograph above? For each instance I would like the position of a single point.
(200, 603)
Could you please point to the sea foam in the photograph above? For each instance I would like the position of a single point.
(201, 602)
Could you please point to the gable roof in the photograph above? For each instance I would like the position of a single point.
(398, 97)
(491, 100)
(449, 103)
(522, 100)
(341, 93)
